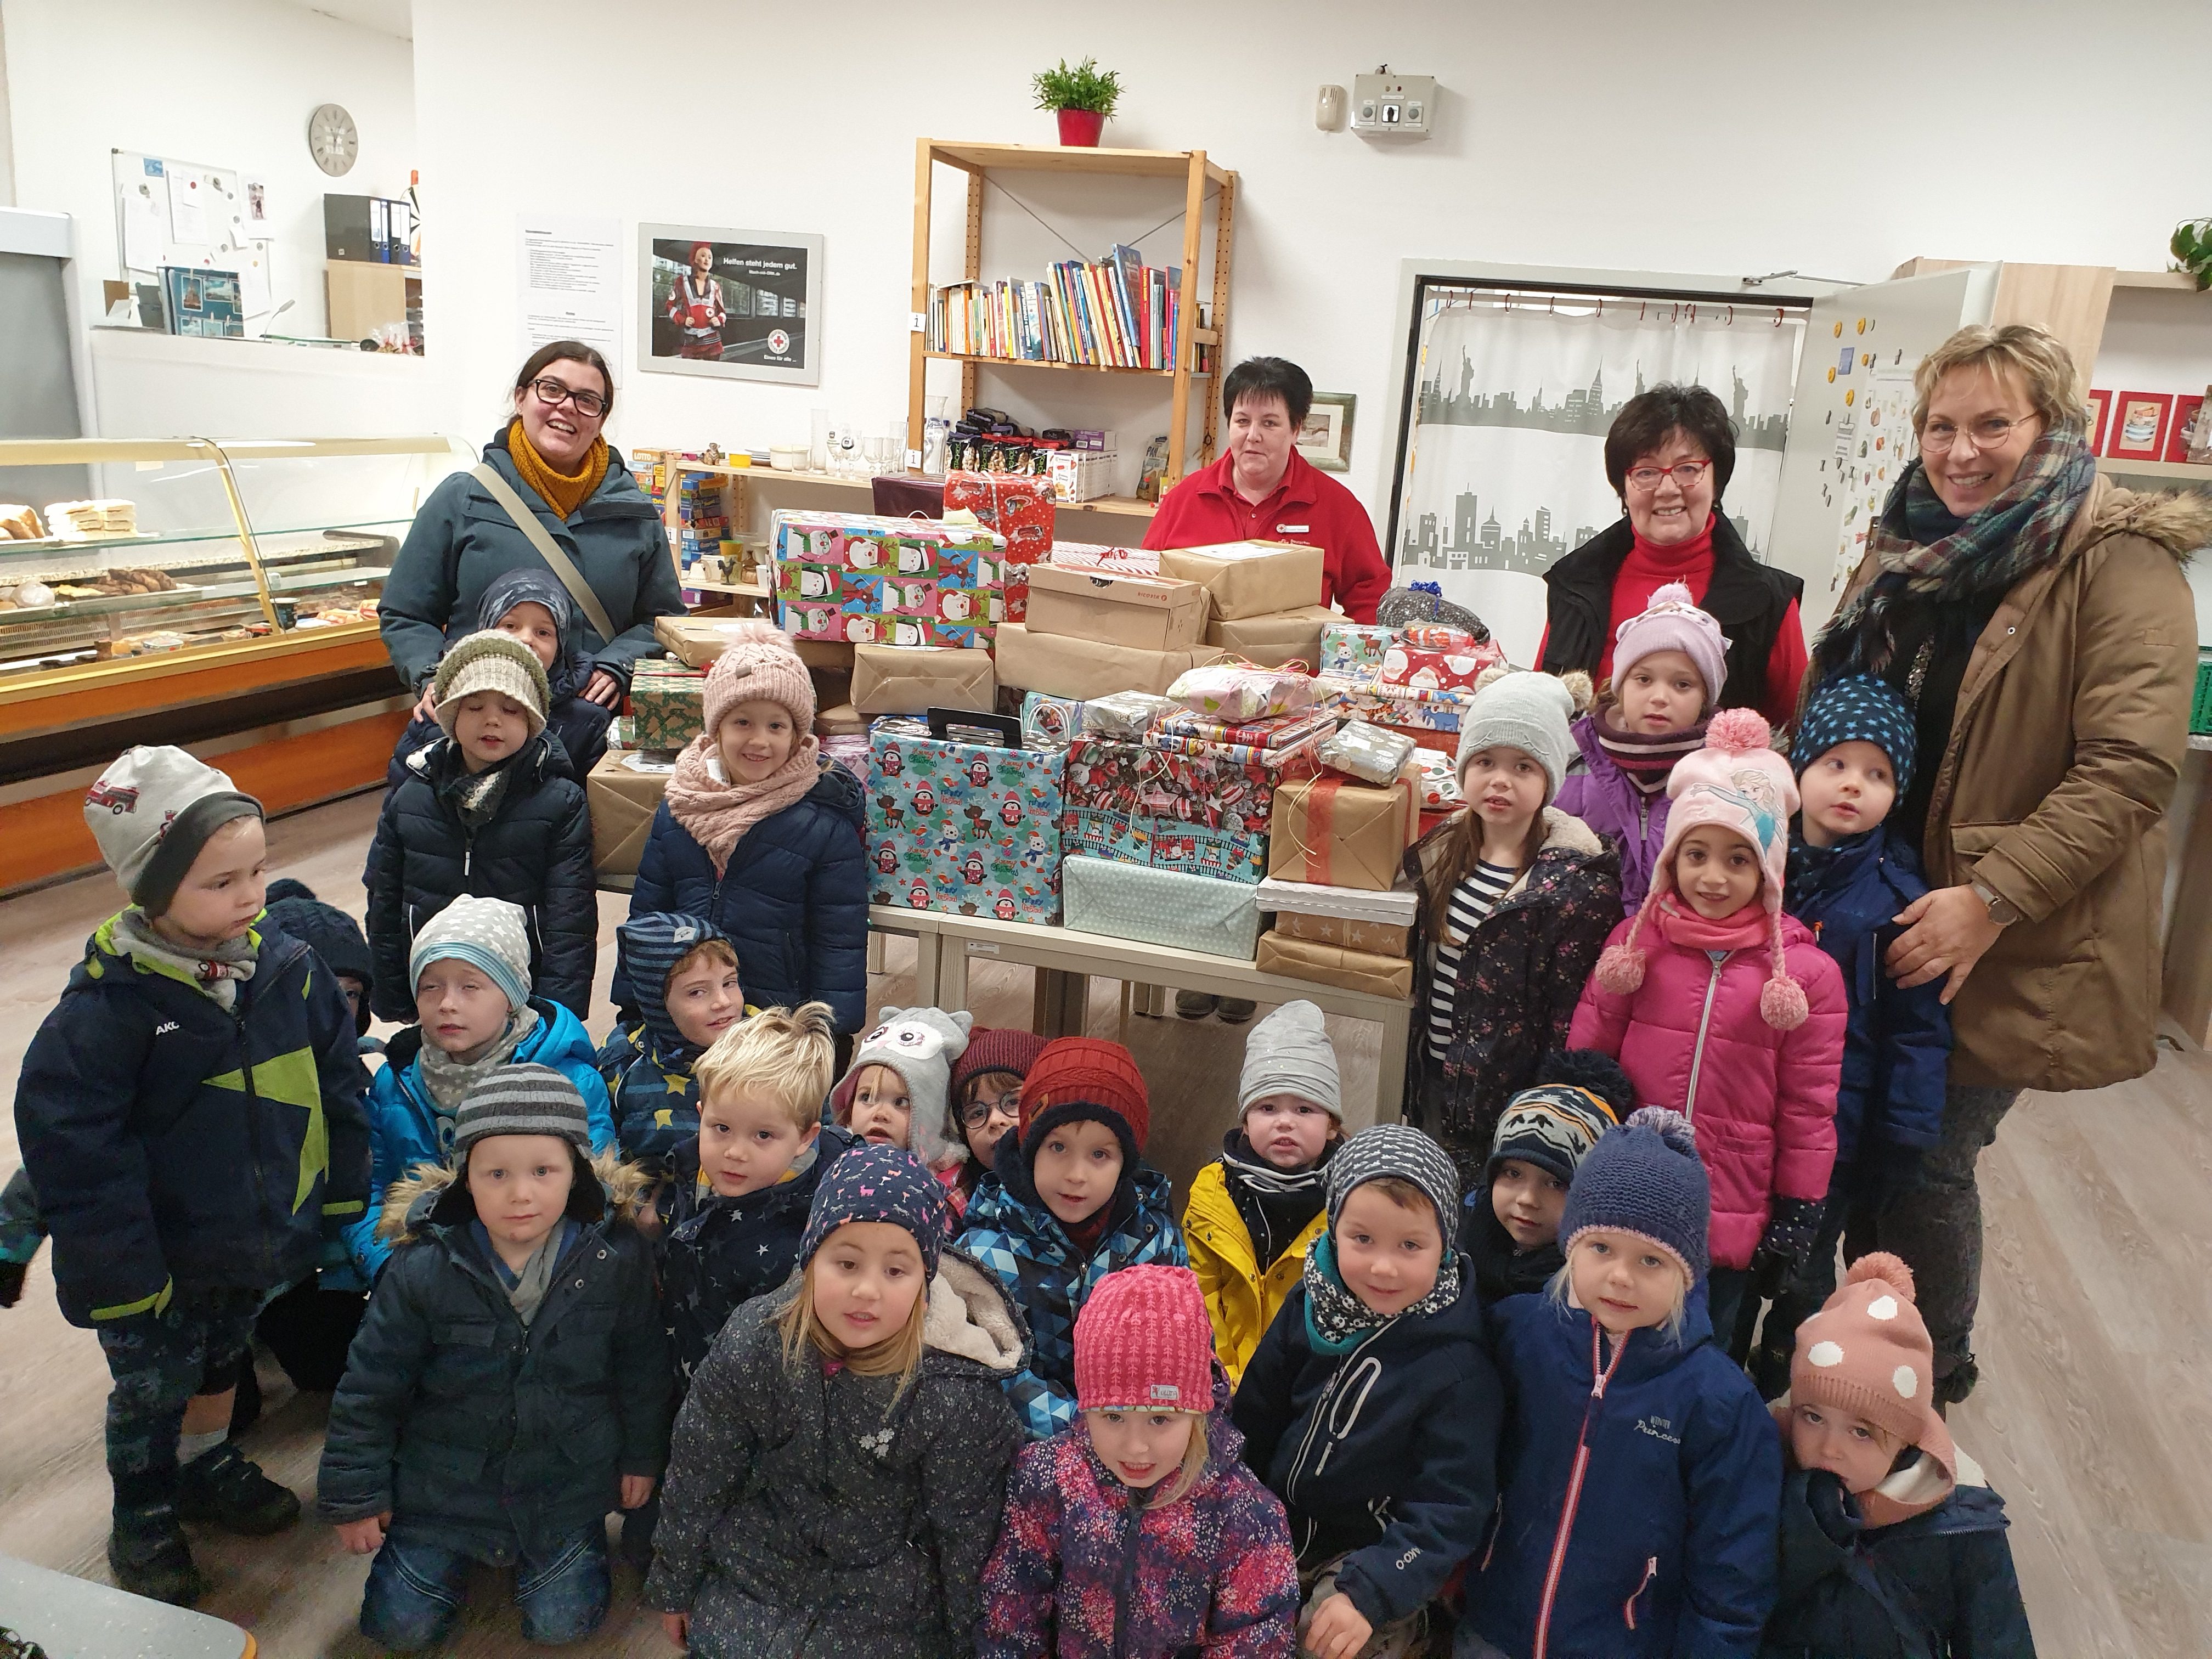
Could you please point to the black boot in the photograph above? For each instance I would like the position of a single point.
(149, 1556)
(223, 1487)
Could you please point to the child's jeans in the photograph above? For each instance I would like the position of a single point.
(159, 1362)
(416, 1590)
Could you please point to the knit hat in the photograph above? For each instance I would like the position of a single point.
(1143, 1343)
(1085, 1077)
(521, 1099)
(1737, 783)
(1525, 711)
(996, 1049)
(1289, 1053)
(1644, 1178)
(1424, 602)
(328, 930)
(1398, 1150)
(920, 1045)
(1861, 708)
(879, 1183)
(490, 661)
(534, 585)
(1553, 1126)
(758, 662)
(649, 945)
(1867, 1351)
(1672, 622)
(488, 933)
(152, 810)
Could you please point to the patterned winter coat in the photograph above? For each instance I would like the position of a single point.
(1084, 1570)
(1012, 1232)
(1519, 976)
(809, 1511)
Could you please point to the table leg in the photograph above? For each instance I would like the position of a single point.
(929, 968)
(951, 973)
(875, 952)
(1121, 1030)
(1067, 998)
(1390, 1078)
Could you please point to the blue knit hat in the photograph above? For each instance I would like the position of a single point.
(1862, 708)
(879, 1183)
(649, 945)
(1644, 1178)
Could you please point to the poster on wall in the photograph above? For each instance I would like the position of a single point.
(1505, 469)
(571, 275)
(739, 304)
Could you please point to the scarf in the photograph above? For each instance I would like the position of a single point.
(1274, 1205)
(1745, 930)
(217, 972)
(525, 1291)
(1927, 554)
(717, 812)
(1646, 759)
(564, 492)
(447, 1078)
(1336, 1320)
(475, 797)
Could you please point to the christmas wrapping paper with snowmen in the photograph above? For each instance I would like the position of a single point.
(869, 580)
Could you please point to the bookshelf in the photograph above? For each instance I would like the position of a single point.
(1196, 172)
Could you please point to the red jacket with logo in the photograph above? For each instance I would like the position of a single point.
(1307, 507)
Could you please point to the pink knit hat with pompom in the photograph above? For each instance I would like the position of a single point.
(1735, 782)
(758, 662)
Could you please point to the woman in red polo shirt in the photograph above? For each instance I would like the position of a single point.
(1262, 490)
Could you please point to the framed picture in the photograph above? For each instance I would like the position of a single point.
(2188, 416)
(2101, 412)
(2141, 421)
(737, 304)
(1325, 438)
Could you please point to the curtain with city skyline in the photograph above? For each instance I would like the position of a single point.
(1505, 467)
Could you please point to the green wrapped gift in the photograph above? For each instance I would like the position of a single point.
(667, 704)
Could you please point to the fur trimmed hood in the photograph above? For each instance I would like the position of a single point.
(970, 1314)
(431, 1195)
(2180, 521)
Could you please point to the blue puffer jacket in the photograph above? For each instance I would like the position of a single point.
(1898, 1044)
(794, 900)
(656, 1098)
(1388, 1451)
(404, 1129)
(1647, 1477)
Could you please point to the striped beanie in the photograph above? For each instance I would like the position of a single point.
(521, 1099)
(1397, 1149)
(488, 933)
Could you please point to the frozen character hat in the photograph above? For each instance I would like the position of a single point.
(1143, 1343)
(1644, 1178)
(521, 1099)
(758, 664)
(1579, 1094)
(650, 945)
(1862, 708)
(1289, 1053)
(1522, 710)
(879, 1183)
(487, 933)
(1085, 1077)
(328, 930)
(920, 1045)
(1672, 622)
(491, 661)
(1736, 783)
(1398, 1150)
(152, 810)
(531, 585)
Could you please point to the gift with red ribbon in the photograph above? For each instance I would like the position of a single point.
(1340, 833)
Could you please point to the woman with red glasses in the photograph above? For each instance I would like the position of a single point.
(1668, 456)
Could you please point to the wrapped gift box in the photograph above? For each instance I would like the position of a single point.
(1380, 924)
(1402, 711)
(839, 720)
(962, 827)
(1276, 640)
(1049, 722)
(1279, 732)
(1409, 667)
(1206, 814)
(1160, 906)
(1250, 578)
(696, 642)
(1152, 613)
(1437, 780)
(890, 679)
(1236, 694)
(1342, 834)
(1331, 964)
(1352, 650)
(1018, 506)
(667, 703)
(866, 579)
(1076, 556)
(1062, 667)
(624, 791)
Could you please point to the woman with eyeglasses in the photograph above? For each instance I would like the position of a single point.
(1668, 456)
(552, 454)
(2036, 618)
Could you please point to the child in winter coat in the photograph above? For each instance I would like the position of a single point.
(1849, 882)
(1140, 1530)
(492, 809)
(1722, 1008)
(190, 1114)
(1067, 1204)
(1642, 1473)
(1255, 1210)
(760, 834)
(1892, 1543)
(1670, 663)
(335, 937)
(894, 1093)
(986, 1104)
(1516, 899)
(1370, 1406)
(470, 967)
(684, 974)
(839, 1466)
(509, 1386)
(1513, 1223)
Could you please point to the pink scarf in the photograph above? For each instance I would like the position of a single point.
(717, 814)
(1745, 930)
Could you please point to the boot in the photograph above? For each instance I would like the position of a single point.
(149, 1556)
(1195, 1004)
(223, 1487)
(1235, 1011)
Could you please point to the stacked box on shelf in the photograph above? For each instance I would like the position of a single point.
(1204, 814)
(962, 827)
(1351, 918)
(868, 581)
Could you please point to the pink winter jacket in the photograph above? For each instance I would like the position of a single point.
(1763, 1102)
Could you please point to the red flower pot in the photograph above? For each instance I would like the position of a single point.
(1081, 126)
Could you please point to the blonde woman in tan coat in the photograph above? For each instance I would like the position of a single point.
(2038, 619)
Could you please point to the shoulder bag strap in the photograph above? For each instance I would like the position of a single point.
(548, 549)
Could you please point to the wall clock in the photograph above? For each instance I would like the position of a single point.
(333, 140)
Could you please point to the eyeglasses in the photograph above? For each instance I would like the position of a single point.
(552, 393)
(1684, 473)
(1988, 432)
(976, 1113)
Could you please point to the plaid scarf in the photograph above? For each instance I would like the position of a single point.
(1927, 553)
(1336, 1319)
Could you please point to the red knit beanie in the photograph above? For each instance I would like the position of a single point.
(996, 1050)
(1086, 1073)
(1143, 1343)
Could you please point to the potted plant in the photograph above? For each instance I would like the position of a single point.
(1084, 97)
(2192, 245)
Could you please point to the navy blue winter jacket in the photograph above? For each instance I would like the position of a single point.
(1898, 1044)
(1643, 1486)
(794, 900)
(1388, 1451)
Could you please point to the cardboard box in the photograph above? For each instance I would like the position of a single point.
(1335, 832)
(1276, 639)
(1152, 613)
(1064, 667)
(890, 679)
(1376, 939)
(696, 642)
(667, 704)
(1331, 964)
(1250, 578)
(623, 791)
(1354, 918)
(835, 655)
(840, 720)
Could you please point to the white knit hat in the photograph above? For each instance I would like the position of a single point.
(1521, 710)
(487, 932)
(152, 810)
(1289, 1053)
(491, 661)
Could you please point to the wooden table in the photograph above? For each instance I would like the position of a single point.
(72, 1616)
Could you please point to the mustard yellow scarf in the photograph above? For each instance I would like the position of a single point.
(564, 492)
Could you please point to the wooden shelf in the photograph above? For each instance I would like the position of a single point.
(2176, 279)
(983, 360)
(2179, 472)
(1057, 158)
(837, 480)
(740, 590)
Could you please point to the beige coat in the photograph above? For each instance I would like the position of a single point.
(2071, 724)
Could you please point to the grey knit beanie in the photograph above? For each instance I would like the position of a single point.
(152, 810)
(1525, 711)
(521, 1099)
(1400, 1150)
(1289, 1053)
(491, 661)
